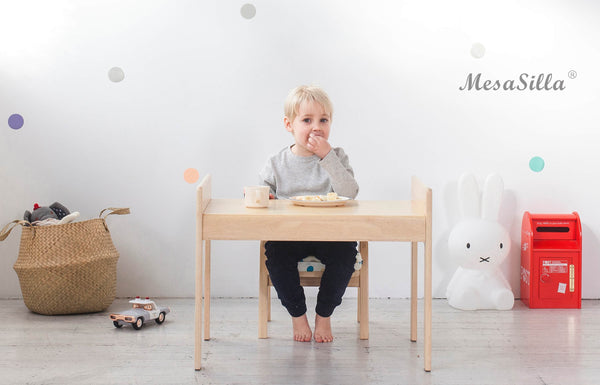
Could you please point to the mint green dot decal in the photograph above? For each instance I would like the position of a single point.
(536, 164)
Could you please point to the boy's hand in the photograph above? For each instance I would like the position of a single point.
(318, 145)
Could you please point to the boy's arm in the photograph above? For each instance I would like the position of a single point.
(266, 177)
(337, 165)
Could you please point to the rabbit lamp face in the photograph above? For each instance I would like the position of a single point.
(479, 244)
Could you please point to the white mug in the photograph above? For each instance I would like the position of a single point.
(256, 196)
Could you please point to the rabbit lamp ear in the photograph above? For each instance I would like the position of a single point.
(492, 197)
(468, 196)
(478, 236)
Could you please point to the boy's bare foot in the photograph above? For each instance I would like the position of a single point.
(323, 329)
(302, 330)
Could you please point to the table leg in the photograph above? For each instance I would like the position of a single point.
(264, 297)
(198, 305)
(413, 290)
(364, 291)
(428, 295)
(206, 290)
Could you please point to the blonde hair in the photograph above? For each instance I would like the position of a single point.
(302, 94)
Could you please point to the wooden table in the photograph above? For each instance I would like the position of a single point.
(229, 219)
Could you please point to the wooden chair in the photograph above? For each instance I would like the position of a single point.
(359, 279)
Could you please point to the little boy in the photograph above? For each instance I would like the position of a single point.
(309, 167)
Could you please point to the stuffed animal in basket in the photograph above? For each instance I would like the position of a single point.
(53, 214)
(479, 244)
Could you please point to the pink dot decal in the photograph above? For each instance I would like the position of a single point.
(191, 175)
(15, 121)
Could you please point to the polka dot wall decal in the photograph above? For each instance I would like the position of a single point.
(248, 11)
(116, 74)
(536, 164)
(15, 121)
(191, 175)
(477, 50)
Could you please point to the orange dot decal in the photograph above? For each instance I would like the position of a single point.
(191, 175)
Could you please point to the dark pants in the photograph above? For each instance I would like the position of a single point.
(282, 263)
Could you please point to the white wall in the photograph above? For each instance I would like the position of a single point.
(204, 89)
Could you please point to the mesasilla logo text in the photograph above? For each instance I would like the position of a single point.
(524, 82)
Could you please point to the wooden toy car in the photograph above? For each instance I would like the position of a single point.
(143, 310)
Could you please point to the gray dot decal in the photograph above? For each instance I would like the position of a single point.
(477, 50)
(248, 11)
(116, 74)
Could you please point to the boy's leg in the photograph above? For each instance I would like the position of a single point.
(282, 263)
(339, 259)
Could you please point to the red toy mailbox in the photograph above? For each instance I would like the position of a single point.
(551, 260)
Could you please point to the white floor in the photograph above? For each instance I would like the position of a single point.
(520, 346)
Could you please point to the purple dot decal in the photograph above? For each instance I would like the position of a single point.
(15, 121)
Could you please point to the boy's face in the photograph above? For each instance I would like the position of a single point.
(311, 120)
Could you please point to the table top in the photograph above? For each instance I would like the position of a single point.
(286, 207)
(283, 220)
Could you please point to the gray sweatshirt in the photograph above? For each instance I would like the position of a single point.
(288, 174)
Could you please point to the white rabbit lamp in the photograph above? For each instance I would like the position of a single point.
(479, 244)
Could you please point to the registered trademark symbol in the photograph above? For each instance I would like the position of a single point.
(572, 74)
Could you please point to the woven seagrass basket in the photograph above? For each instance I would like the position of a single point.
(69, 268)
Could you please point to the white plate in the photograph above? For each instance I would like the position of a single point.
(340, 201)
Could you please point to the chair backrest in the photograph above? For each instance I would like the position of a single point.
(420, 196)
